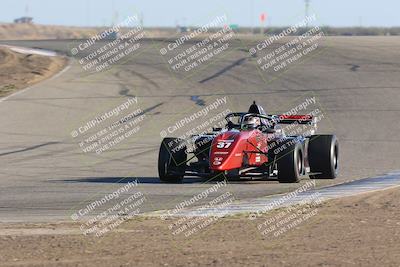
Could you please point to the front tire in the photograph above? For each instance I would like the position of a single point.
(323, 152)
(232, 175)
(290, 164)
(172, 160)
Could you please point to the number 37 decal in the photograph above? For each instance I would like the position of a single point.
(224, 143)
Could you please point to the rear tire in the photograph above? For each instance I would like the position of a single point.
(323, 152)
(290, 164)
(172, 160)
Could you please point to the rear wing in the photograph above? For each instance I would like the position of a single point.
(299, 119)
(270, 120)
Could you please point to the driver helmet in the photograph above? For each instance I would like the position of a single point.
(251, 122)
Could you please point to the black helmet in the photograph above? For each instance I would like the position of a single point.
(256, 109)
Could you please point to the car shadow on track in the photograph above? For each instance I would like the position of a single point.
(125, 180)
(151, 180)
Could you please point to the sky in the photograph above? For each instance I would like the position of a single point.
(194, 13)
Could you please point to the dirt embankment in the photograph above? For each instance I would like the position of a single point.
(18, 70)
(11, 31)
(359, 231)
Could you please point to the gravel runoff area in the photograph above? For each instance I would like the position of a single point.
(355, 231)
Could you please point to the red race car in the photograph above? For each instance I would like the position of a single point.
(252, 144)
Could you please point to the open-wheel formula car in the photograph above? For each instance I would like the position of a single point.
(253, 144)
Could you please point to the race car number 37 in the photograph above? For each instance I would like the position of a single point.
(224, 143)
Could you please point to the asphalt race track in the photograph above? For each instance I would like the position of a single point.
(45, 175)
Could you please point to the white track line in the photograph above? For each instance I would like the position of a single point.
(27, 50)
(331, 192)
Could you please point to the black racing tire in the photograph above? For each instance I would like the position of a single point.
(290, 163)
(323, 155)
(232, 175)
(172, 160)
(215, 176)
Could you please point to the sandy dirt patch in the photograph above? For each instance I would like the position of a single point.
(12, 31)
(360, 231)
(19, 70)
